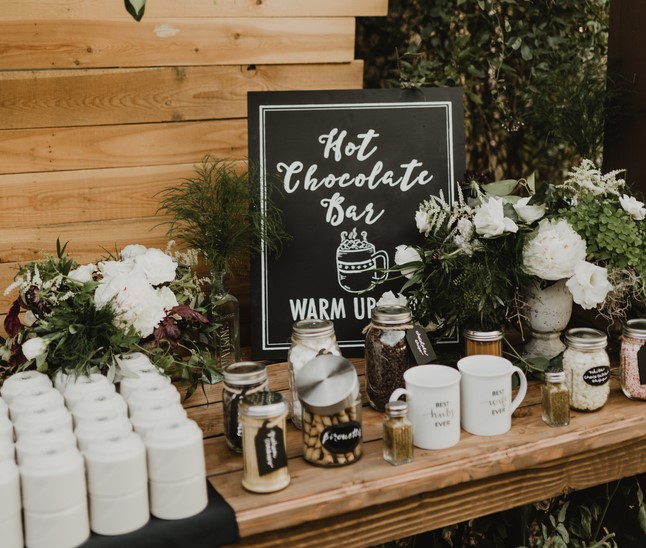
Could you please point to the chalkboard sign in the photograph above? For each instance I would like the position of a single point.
(350, 169)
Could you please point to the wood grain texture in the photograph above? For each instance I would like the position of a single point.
(102, 9)
(64, 43)
(37, 150)
(86, 97)
(548, 460)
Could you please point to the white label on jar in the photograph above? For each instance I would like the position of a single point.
(596, 376)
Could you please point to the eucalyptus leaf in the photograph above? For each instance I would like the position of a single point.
(501, 188)
(135, 8)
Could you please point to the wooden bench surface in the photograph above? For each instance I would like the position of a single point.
(372, 501)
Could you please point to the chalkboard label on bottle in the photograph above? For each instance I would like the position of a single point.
(341, 438)
(420, 345)
(596, 376)
(270, 449)
(641, 364)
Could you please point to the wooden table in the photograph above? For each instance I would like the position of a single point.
(372, 501)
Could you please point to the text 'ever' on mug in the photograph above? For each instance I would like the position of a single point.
(485, 394)
(433, 396)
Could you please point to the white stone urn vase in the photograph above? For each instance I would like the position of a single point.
(548, 310)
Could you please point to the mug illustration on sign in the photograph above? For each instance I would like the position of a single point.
(357, 262)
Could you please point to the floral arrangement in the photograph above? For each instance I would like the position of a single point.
(482, 250)
(81, 318)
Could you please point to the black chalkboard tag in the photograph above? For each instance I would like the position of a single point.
(420, 345)
(641, 364)
(270, 449)
(596, 376)
(341, 438)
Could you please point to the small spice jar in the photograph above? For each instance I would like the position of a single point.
(555, 398)
(587, 368)
(397, 434)
(328, 388)
(309, 339)
(263, 416)
(632, 359)
(483, 342)
(240, 379)
(387, 353)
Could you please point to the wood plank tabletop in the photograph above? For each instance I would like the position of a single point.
(371, 501)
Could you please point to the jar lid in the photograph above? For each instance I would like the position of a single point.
(397, 408)
(313, 328)
(244, 373)
(635, 328)
(327, 384)
(585, 338)
(391, 314)
(483, 336)
(555, 375)
(263, 405)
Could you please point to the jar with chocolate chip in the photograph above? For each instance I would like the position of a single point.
(240, 379)
(309, 339)
(328, 389)
(388, 355)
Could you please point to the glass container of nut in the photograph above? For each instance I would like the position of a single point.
(328, 389)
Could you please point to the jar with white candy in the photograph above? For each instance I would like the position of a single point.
(587, 368)
(310, 338)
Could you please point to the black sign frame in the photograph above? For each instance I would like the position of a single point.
(416, 131)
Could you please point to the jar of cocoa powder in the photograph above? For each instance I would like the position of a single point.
(328, 389)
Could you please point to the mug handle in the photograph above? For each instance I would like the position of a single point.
(522, 390)
(398, 393)
(380, 256)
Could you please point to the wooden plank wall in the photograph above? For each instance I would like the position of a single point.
(98, 112)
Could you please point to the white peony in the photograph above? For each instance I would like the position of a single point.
(490, 221)
(529, 213)
(633, 207)
(388, 298)
(553, 251)
(83, 273)
(421, 220)
(156, 266)
(405, 254)
(589, 285)
(168, 297)
(138, 304)
(34, 347)
(116, 269)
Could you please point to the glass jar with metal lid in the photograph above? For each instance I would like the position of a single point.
(387, 353)
(240, 379)
(310, 338)
(587, 368)
(263, 416)
(632, 358)
(328, 388)
(483, 342)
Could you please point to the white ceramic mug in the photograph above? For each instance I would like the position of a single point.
(433, 396)
(485, 394)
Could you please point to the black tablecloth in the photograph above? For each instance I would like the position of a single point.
(214, 526)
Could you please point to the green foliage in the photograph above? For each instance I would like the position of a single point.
(533, 73)
(217, 213)
(135, 8)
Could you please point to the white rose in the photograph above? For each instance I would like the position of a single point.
(489, 219)
(553, 251)
(633, 207)
(132, 251)
(34, 347)
(405, 254)
(529, 213)
(388, 298)
(83, 273)
(589, 285)
(156, 266)
(421, 220)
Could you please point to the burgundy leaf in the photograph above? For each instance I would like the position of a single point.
(12, 321)
(186, 312)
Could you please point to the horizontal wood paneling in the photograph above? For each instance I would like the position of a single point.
(32, 150)
(85, 97)
(175, 42)
(102, 9)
